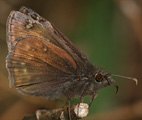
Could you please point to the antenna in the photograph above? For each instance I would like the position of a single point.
(134, 79)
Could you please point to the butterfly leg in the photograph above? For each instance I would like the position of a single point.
(69, 111)
(81, 95)
(92, 98)
(82, 92)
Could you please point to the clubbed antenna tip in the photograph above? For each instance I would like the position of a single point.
(135, 79)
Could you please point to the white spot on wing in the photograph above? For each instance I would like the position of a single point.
(45, 49)
(22, 63)
(25, 70)
(29, 25)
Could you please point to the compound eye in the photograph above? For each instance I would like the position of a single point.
(99, 78)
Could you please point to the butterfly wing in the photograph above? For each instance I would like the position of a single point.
(41, 60)
(35, 62)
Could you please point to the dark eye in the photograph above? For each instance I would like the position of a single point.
(99, 78)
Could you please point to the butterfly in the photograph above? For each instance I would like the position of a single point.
(43, 62)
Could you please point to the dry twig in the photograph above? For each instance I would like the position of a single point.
(61, 113)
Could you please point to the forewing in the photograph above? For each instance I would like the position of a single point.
(19, 22)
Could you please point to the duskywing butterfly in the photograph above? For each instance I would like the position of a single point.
(42, 62)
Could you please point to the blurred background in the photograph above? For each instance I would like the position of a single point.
(109, 32)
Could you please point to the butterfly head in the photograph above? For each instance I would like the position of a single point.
(103, 79)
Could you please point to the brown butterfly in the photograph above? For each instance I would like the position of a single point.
(42, 62)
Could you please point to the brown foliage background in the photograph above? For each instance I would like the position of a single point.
(110, 34)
